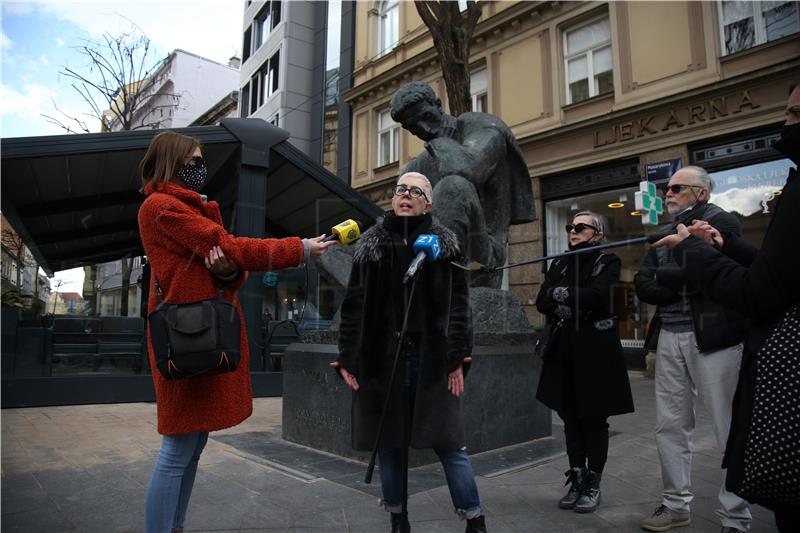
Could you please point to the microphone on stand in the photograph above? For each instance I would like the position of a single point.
(345, 232)
(427, 248)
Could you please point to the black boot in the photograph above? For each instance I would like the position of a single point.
(400, 523)
(590, 495)
(476, 525)
(575, 480)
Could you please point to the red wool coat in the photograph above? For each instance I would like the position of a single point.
(178, 229)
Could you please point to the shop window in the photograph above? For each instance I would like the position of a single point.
(588, 63)
(748, 24)
(388, 25)
(479, 92)
(749, 193)
(388, 134)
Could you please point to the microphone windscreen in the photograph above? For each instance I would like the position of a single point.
(347, 231)
(429, 244)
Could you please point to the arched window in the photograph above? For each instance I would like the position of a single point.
(388, 25)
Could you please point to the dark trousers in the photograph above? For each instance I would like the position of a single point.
(587, 440)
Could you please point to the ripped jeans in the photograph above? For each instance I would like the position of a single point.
(457, 470)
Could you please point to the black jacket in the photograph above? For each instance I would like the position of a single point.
(372, 314)
(661, 281)
(585, 369)
(762, 285)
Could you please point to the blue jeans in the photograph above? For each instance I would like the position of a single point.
(172, 481)
(457, 470)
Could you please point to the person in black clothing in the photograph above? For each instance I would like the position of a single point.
(762, 284)
(435, 355)
(583, 374)
(698, 351)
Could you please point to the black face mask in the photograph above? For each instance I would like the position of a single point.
(789, 145)
(193, 176)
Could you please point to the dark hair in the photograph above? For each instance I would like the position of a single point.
(410, 94)
(166, 153)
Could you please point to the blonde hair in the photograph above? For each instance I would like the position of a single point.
(426, 183)
(598, 221)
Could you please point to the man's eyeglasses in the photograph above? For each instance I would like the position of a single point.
(414, 191)
(579, 227)
(679, 188)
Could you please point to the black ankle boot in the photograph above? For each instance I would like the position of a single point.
(476, 525)
(400, 523)
(575, 479)
(590, 495)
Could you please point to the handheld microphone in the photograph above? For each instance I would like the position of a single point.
(426, 247)
(345, 232)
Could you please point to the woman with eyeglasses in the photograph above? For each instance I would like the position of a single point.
(192, 257)
(423, 402)
(583, 377)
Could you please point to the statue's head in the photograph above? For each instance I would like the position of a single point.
(417, 108)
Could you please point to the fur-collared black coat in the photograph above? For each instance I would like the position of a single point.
(585, 369)
(371, 319)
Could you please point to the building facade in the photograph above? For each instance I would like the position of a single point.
(187, 86)
(283, 70)
(600, 95)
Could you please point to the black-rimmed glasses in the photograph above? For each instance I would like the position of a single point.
(414, 191)
(679, 188)
(579, 227)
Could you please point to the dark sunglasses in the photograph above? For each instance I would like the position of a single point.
(415, 192)
(579, 227)
(679, 188)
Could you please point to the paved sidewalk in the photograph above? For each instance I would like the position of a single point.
(86, 469)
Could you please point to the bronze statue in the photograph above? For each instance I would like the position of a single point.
(480, 181)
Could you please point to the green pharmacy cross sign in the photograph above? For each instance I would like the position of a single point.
(648, 203)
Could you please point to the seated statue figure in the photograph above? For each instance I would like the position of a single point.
(480, 181)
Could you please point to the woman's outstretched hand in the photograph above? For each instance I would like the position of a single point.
(317, 247)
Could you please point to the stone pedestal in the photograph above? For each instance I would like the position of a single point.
(500, 408)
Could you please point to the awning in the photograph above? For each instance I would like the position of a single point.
(74, 198)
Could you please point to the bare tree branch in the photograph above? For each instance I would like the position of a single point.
(117, 84)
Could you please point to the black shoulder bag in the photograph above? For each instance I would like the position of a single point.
(195, 339)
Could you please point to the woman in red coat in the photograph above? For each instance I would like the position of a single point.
(184, 238)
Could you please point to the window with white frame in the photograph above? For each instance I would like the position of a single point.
(388, 25)
(265, 21)
(587, 60)
(479, 91)
(388, 138)
(748, 24)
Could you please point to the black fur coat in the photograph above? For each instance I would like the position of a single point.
(372, 314)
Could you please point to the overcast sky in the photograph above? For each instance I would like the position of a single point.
(38, 38)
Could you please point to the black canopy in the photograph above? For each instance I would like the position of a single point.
(74, 198)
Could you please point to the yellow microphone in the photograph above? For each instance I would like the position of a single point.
(345, 232)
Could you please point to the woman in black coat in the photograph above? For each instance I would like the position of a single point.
(434, 358)
(764, 285)
(583, 373)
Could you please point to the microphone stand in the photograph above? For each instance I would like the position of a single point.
(647, 238)
(404, 406)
